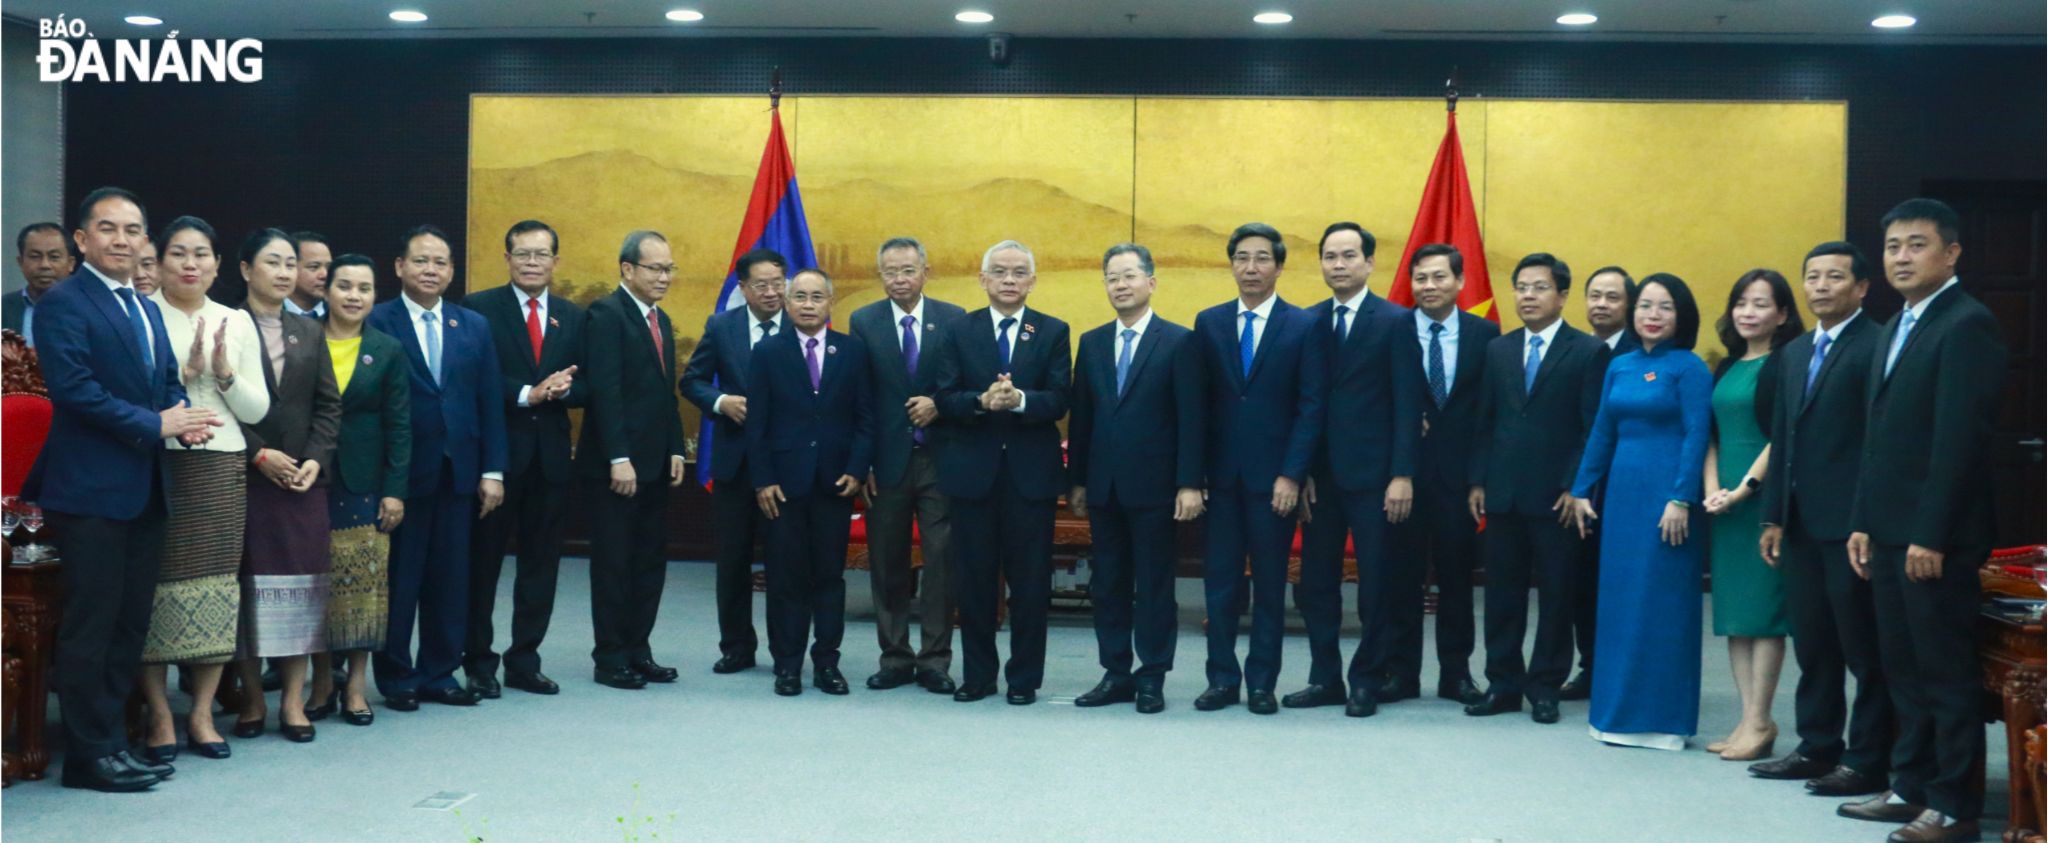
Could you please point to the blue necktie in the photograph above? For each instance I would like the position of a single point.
(1003, 343)
(1343, 329)
(910, 364)
(1246, 344)
(1123, 360)
(1439, 390)
(1906, 320)
(141, 328)
(1820, 354)
(433, 327)
(1531, 363)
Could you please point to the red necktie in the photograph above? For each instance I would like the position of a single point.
(533, 327)
(654, 333)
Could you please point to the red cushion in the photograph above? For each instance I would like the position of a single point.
(1350, 547)
(24, 425)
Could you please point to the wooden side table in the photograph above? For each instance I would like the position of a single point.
(31, 597)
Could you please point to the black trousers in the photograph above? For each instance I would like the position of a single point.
(628, 564)
(1006, 536)
(1927, 637)
(1834, 634)
(1320, 597)
(1131, 585)
(807, 580)
(738, 524)
(533, 509)
(1586, 602)
(110, 573)
(1440, 533)
(1521, 550)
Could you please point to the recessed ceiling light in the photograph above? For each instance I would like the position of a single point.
(1894, 22)
(974, 17)
(1272, 18)
(143, 20)
(409, 16)
(684, 15)
(1577, 19)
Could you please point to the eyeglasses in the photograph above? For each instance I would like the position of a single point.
(762, 286)
(532, 256)
(902, 272)
(1254, 260)
(1131, 277)
(1000, 274)
(658, 269)
(819, 297)
(1656, 307)
(1535, 289)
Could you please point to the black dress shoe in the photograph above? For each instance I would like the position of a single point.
(890, 677)
(532, 683)
(1216, 699)
(248, 729)
(159, 769)
(1461, 691)
(732, 664)
(450, 696)
(1262, 702)
(653, 672)
(402, 701)
(159, 754)
(829, 680)
(1396, 690)
(217, 750)
(1794, 766)
(324, 710)
(788, 684)
(297, 734)
(1880, 808)
(1363, 703)
(972, 692)
(1151, 700)
(486, 686)
(1107, 692)
(621, 677)
(1020, 696)
(1315, 696)
(359, 718)
(1493, 704)
(1844, 781)
(1543, 711)
(1580, 688)
(107, 775)
(935, 681)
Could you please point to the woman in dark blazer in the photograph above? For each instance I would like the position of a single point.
(366, 499)
(285, 561)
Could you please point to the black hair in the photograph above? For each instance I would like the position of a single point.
(21, 237)
(189, 223)
(351, 259)
(1859, 266)
(1686, 333)
(1258, 229)
(1367, 244)
(525, 226)
(92, 200)
(260, 238)
(1946, 223)
(1628, 284)
(1781, 295)
(301, 238)
(745, 265)
(1560, 272)
(418, 231)
(1144, 256)
(1435, 250)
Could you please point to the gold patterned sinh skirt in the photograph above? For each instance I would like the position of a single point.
(198, 600)
(359, 602)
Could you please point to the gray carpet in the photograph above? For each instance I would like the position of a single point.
(723, 758)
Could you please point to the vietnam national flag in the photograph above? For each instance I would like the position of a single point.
(1447, 216)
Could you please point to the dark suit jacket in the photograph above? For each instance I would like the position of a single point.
(305, 405)
(1447, 445)
(11, 309)
(723, 353)
(876, 326)
(1526, 451)
(105, 427)
(1374, 392)
(373, 451)
(1268, 425)
(632, 400)
(1926, 452)
(1141, 446)
(540, 432)
(1817, 440)
(460, 418)
(802, 440)
(1041, 366)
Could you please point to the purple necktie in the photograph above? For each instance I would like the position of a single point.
(910, 362)
(811, 360)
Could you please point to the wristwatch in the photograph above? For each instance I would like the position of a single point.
(1752, 484)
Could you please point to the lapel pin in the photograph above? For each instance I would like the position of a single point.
(367, 360)
(1649, 377)
(930, 327)
(1030, 328)
(452, 323)
(1025, 338)
(291, 339)
(552, 323)
(831, 349)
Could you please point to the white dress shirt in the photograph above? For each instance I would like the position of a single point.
(824, 349)
(1265, 312)
(1549, 336)
(1449, 340)
(1137, 330)
(1613, 340)
(1920, 309)
(995, 326)
(413, 312)
(1835, 333)
(522, 298)
(916, 315)
(317, 311)
(148, 330)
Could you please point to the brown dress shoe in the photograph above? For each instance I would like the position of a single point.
(1929, 828)
(1881, 809)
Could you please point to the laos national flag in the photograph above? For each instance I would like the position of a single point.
(775, 220)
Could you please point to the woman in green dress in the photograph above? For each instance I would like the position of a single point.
(1749, 596)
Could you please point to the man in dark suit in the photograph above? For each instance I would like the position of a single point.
(1003, 385)
(811, 442)
(43, 258)
(458, 470)
(1264, 376)
(1136, 445)
(308, 292)
(1362, 480)
(899, 332)
(1542, 392)
(1816, 439)
(1921, 523)
(116, 397)
(631, 452)
(1610, 303)
(539, 341)
(716, 381)
(1441, 533)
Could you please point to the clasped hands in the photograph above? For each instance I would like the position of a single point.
(551, 387)
(1002, 395)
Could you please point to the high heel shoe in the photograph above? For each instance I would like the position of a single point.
(325, 710)
(160, 754)
(248, 728)
(1716, 747)
(296, 734)
(359, 718)
(1753, 750)
(216, 750)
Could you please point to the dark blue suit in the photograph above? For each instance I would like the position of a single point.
(100, 480)
(719, 365)
(803, 440)
(1260, 427)
(458, 433)
(1133, 450)
(1373, 419)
